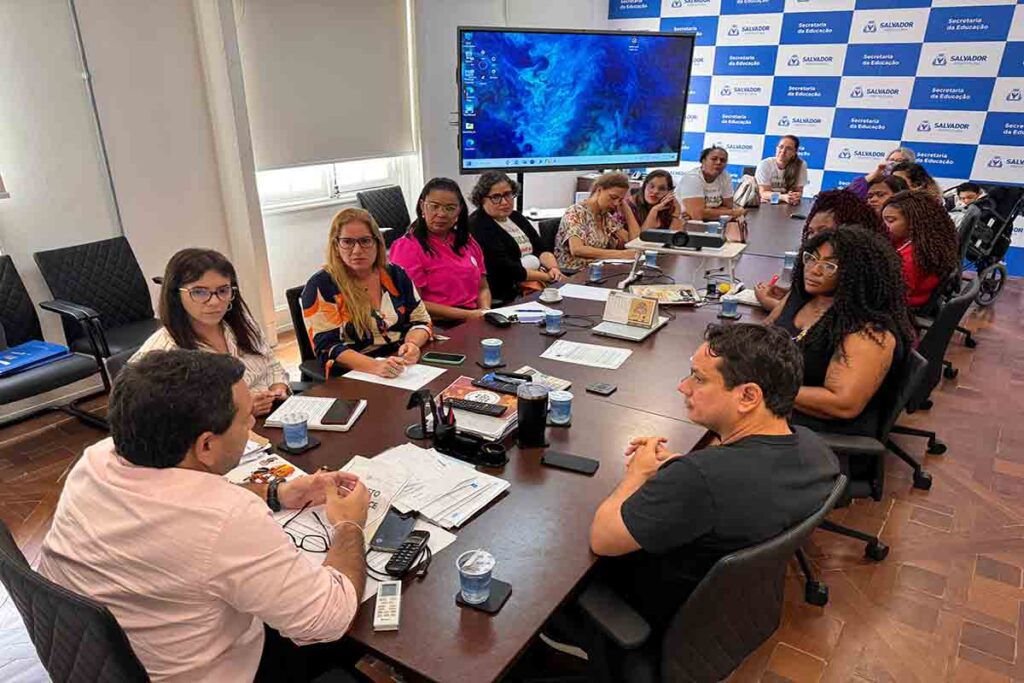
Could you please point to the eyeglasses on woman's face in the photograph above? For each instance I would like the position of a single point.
(202, 295)
(447, 209)
(349, 243)
(502, 197)
(829, 268)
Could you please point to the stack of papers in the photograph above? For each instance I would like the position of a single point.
(445, 491)
(484, 426)
(574, 291)
(551, 382)
(382, 479)
(592, 355)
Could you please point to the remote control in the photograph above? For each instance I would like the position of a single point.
(495, 385)
(389, 606)
(407, 554)
(491, 409)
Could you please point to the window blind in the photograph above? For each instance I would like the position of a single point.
(325, 80)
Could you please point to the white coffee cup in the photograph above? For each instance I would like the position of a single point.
(551, 294)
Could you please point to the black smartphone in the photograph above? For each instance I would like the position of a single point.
(443, 358)
(573, 463)
(339, 413)
(393, 531)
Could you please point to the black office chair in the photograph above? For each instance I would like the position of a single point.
(77, 639)
(99, 284)
(933, 347)
(909, 378)
(734, 609)
(388, 208)
(548, 231)
(19, 323)
(309, 367)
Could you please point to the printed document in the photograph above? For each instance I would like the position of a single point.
(584, 292)
(592, 355)
(415, 377)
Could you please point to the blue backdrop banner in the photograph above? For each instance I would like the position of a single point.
(854, 79)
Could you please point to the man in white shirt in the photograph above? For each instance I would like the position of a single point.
(191, 565)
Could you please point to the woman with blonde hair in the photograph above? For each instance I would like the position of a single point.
(598, 227)
(362, 312)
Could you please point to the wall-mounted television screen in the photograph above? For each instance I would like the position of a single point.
(542, 100)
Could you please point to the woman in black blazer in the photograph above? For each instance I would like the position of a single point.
(512, 250)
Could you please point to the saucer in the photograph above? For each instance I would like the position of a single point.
(550, 301)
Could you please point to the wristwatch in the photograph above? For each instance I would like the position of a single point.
(272, 502)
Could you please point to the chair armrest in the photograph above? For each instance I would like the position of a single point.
(88, 318)
(614, 616)
(66, 308)
(849, 444)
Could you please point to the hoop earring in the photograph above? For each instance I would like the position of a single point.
(231, 304)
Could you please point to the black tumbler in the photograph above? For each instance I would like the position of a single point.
(532, 408)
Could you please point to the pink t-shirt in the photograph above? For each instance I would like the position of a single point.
(191, 566)
(443, 277)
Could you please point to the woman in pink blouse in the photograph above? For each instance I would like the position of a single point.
(444, 261)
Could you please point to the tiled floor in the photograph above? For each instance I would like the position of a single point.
(946, 605)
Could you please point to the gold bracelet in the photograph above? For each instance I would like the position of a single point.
(334, 527)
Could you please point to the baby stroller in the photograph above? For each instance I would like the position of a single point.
(985, 232)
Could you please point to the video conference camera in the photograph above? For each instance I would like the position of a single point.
(683, 240)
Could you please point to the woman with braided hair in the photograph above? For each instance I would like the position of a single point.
(925, 238)
(847, 311)
(831, 208)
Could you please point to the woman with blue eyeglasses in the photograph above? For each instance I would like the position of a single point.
(202, 309)
(847, 312)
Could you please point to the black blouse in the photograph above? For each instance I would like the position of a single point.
(502, 255)
(817, 356)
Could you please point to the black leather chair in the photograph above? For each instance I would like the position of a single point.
(77, 639)
(733, 610)
(19, 324)
(387, 206)
(548, 231)
(309, 367)
(932, 347)
(99, 284)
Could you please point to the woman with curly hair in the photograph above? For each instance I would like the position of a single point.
(831, 208)
(847, 311)
(925, 238)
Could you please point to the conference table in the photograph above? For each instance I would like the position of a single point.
(538, 530)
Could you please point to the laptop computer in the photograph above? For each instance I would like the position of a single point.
(628, 332)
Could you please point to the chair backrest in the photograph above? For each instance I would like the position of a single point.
(104, 276)
(736, 607)
(294, 297)
(908, 379)
(17, 314)
(77, 639)
(548, 232)
(387, 206)
(936, 339)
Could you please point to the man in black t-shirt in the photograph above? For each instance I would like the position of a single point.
(673, 515)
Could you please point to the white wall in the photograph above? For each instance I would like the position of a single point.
(49, 152)
(144, 59)
(435, 25)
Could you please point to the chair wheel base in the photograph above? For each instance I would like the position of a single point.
(970, 343)
(876, 551)
(937, 448)
(816, 593)
(950, 372)
(922, 480)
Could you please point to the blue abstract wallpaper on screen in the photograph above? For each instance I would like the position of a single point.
(570, 99)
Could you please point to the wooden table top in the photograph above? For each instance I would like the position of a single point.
(771, 229)
(539, 530)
